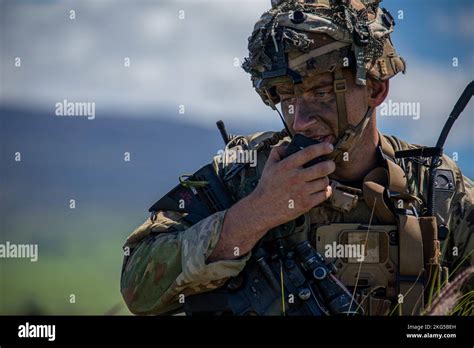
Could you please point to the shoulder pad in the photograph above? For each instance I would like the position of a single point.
(198, 201)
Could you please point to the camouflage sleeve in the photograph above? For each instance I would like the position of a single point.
(167, 262)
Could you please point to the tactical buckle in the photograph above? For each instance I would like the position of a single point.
(340, 86)
(344, 198)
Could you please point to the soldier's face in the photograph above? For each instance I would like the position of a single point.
(310, 108)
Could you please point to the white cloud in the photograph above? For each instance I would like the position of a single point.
(436, 88)
(176, 62)
(458, 23)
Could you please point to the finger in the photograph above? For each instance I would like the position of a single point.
(277, 154)
(317, 185)
(311, 152)
(318, 170)
(321, 196)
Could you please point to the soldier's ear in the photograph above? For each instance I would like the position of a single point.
(378, 91)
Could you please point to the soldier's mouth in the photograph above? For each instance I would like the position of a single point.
(324, 138)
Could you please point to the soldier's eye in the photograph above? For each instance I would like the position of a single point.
(321, 94)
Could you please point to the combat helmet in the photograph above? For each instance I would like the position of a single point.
(297, 38)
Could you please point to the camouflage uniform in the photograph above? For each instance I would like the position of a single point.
(168, 256)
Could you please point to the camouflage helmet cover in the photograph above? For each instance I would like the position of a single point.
(296, 38)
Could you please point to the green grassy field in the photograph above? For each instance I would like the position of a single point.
(44, 287)
(79, 260)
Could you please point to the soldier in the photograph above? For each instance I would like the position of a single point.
(272, 250)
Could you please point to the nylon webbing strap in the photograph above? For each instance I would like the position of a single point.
(340, 87)
(410, 250)
(333, 46)
(350, 137)
(431, 249)
(410, 263)
(410, 257)
(374, 186)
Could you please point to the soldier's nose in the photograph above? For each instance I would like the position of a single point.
(303, 120)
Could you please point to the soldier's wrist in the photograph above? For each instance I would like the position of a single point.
(257, 212)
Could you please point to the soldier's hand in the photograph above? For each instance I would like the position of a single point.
(287, 190)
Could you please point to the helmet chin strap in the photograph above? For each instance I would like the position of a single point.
(340, 88)
(348, 135)
(349, 138)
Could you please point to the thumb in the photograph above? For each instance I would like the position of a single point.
(277, 153)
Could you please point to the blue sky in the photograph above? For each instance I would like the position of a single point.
(433, 31)
(190, 61)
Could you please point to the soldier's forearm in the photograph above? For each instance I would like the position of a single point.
(242, 229)
(164, 267)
